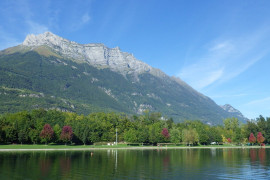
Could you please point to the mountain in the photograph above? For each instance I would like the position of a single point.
(47, 71)
(96, 55)
(236, 113)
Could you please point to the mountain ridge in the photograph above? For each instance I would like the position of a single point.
(94, 54)
(136, 66)
(124, 83)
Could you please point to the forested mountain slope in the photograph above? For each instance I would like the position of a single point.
(50, 72)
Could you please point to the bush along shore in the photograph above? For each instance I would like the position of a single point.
(66, 130)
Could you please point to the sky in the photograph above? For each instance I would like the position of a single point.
(219, 47)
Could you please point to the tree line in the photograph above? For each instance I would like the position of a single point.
(47, 126)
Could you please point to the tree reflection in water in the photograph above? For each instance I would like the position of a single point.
(253, 155)
(138, 164)
(262, 156)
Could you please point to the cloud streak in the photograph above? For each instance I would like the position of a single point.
(18, 14)
(263, 101)
(38, 17)
(230, 95)
(225, 59)
(252, 108)
(85, 18)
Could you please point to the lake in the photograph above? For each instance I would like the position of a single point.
(137, 164)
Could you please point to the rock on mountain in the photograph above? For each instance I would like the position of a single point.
(232, 110)
(86, 78)
(96, 55)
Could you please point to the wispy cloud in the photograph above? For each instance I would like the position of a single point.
(221, 47)
(225, 59)
(200, 76)
(263, 101)
(230, 95)
(85, 18)
(38, 17)
(18, 14)
(23, 11)
(251, 108)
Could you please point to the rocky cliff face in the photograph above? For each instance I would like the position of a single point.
(232, 110)
(96, 55)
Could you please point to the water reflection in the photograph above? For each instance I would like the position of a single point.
(262, 156)
(65, 164)
(44, 165)
(253, 155)
(138, 164)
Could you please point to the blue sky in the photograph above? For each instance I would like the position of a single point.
(220, 47)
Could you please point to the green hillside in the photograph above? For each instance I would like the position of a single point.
(29, 80)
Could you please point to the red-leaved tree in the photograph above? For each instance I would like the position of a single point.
(165, 133)
(260, 138)
(229, 140)
(66, 134)
(47, 133)
(252, 138)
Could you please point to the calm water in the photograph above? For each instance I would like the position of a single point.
(137, 164)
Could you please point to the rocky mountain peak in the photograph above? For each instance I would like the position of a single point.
(96, 55)
(46, 38)
(230, 109)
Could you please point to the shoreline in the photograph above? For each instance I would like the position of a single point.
(131, 148)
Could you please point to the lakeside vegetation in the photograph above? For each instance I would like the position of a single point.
(119, 146)
(42, 126)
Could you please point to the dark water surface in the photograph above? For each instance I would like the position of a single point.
(137, 164)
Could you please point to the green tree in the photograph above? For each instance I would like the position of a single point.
(34, 135)
(175, 135)
(267, 131)
(1, 133)
(155, 133)
(204, 138)
(10, 133)
(95, 131)
(237, 137)
(22, 136)
(131, 136)
(142, 133)
(261, 123)
(190, 136)
(57, 132)
(264, 127)
(252, 128)
(231, 123)
(215, 135)
(170, 123)
(155, 117)
(85, 135)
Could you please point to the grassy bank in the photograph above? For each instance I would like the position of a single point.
(42, 146)
(121, 146)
